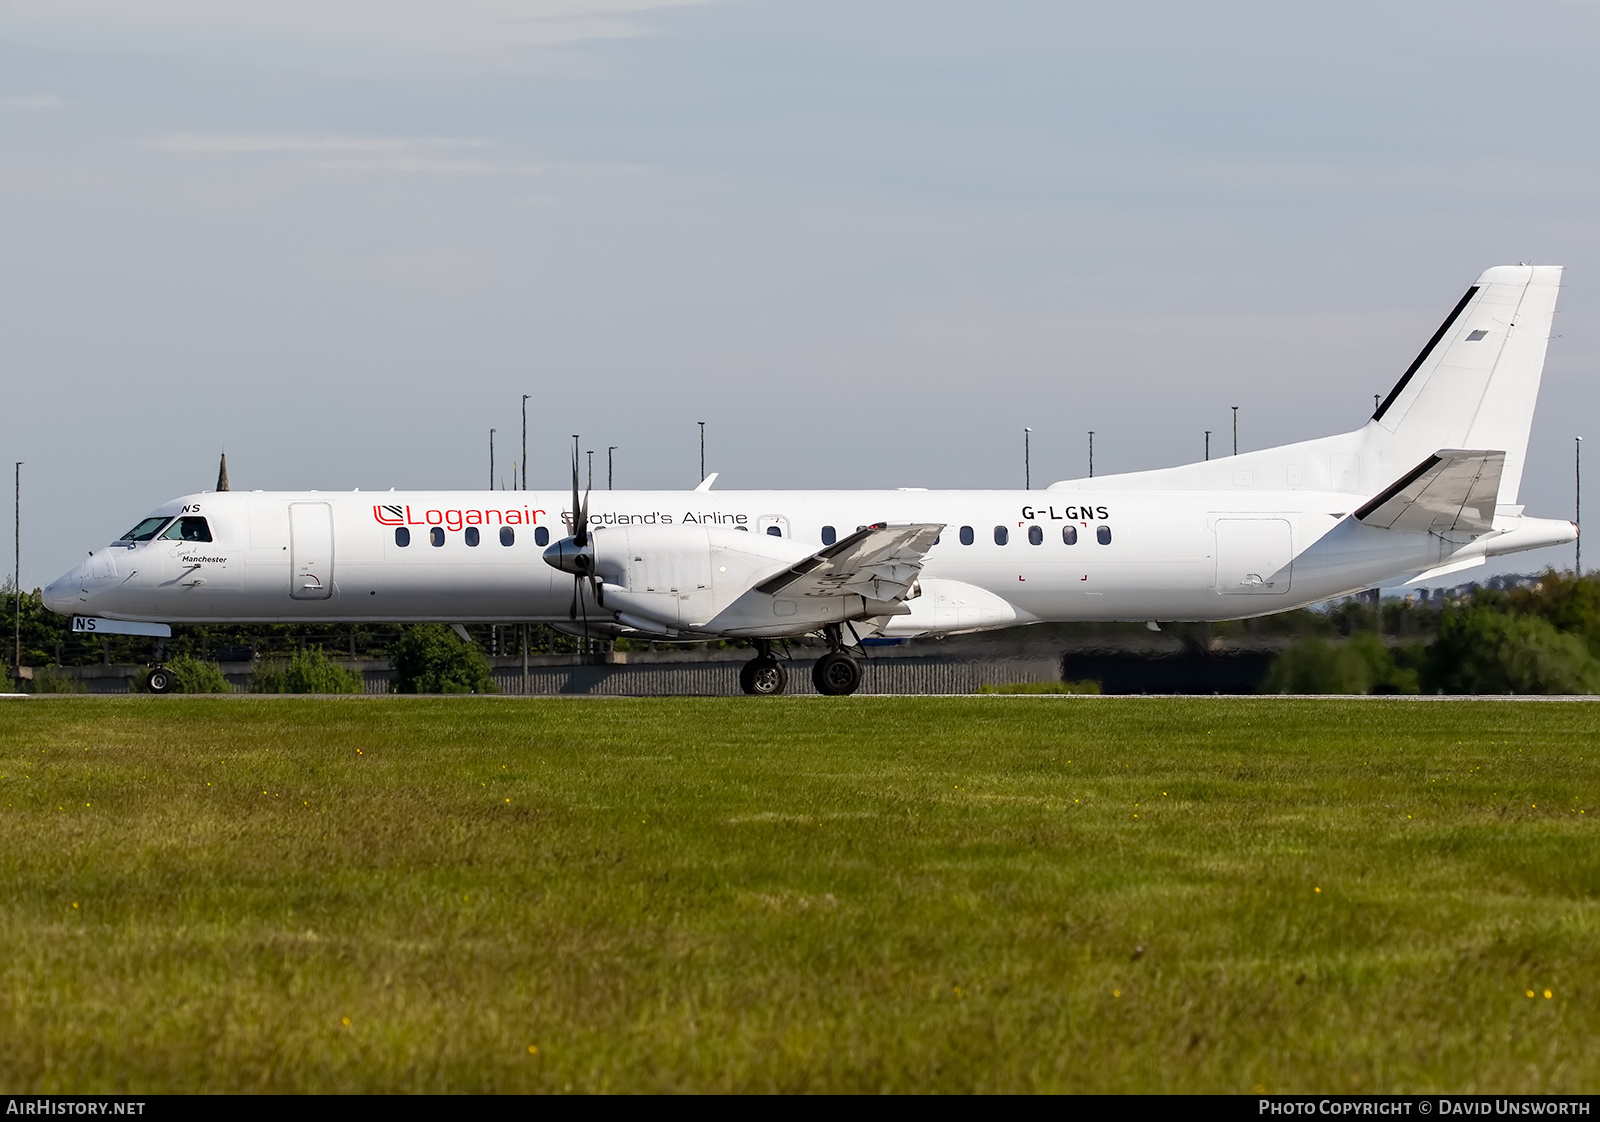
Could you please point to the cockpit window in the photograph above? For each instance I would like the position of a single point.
(145, 530)
(188, 529)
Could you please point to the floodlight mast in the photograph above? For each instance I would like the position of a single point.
(16, 667)
(525, 398)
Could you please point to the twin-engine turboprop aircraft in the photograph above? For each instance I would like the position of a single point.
(1427, 487)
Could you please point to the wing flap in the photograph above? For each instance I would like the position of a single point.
(1453, 490)
(879, 562)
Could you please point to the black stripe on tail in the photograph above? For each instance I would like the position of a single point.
(1426, 351)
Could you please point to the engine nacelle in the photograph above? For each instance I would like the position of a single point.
(671, 579)
(679, 581)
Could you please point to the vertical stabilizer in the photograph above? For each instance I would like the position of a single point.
(1475, 384)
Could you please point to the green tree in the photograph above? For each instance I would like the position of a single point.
(307, 671)
(1364, 663)
(1568, 602)
(431, 658)
(192, 675)
(1483, 649)
(47, 680)
(1318, 666)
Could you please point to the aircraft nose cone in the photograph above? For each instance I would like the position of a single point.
(61, 595)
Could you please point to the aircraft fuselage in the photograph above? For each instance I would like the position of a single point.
(1064, 553)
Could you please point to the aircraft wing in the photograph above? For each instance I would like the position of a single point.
(1452, 490)
(879, 563)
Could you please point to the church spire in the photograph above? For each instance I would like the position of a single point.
(222, 473)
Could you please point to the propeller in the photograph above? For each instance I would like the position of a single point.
(576, 556)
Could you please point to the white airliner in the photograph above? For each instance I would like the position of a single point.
(1427, 487)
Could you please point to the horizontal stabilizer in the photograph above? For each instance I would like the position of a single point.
(1453, 490)
(879, 562)
(1439, 571)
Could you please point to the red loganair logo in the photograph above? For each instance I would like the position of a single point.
(392, 515)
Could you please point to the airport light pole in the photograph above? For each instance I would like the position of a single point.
(591, 469)
(1208, 444)
(1235, 430)
(609, 465)
(1027, 471)
(525, 398)
(16, 667)
(1577, 503)
(491, 459)
(702, 453)
(1091, 453)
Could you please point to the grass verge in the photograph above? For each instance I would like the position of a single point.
(861, 894)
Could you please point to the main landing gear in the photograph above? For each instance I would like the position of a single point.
(835, 674)
(763, 675)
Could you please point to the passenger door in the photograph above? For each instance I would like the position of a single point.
(310, 551)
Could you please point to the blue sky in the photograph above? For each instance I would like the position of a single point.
(865, 242)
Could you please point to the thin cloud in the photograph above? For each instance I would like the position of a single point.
(200, 142)
(32, 101)
(456, 166)
(408, 25)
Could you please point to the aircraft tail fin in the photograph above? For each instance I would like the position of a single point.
(1475, 384)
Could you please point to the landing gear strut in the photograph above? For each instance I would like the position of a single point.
(836, 674)
(764, 675)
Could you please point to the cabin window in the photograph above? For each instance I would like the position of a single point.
(507, 535)
(541, 536)
(966, 535)
(775, 531)
(1035, 535)
(145, 530)
(829, 535)
(402, 536)
(1069, 535)
(188, 529)
(1001, 535)
(472, 535)
(436, 535)
(1103, 535)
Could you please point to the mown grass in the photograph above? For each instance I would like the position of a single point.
(962, 894)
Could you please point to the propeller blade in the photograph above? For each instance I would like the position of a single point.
(577, 524)
(582, 537)
(572, 612)
(586, 647)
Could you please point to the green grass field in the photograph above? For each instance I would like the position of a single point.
(855, 894)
